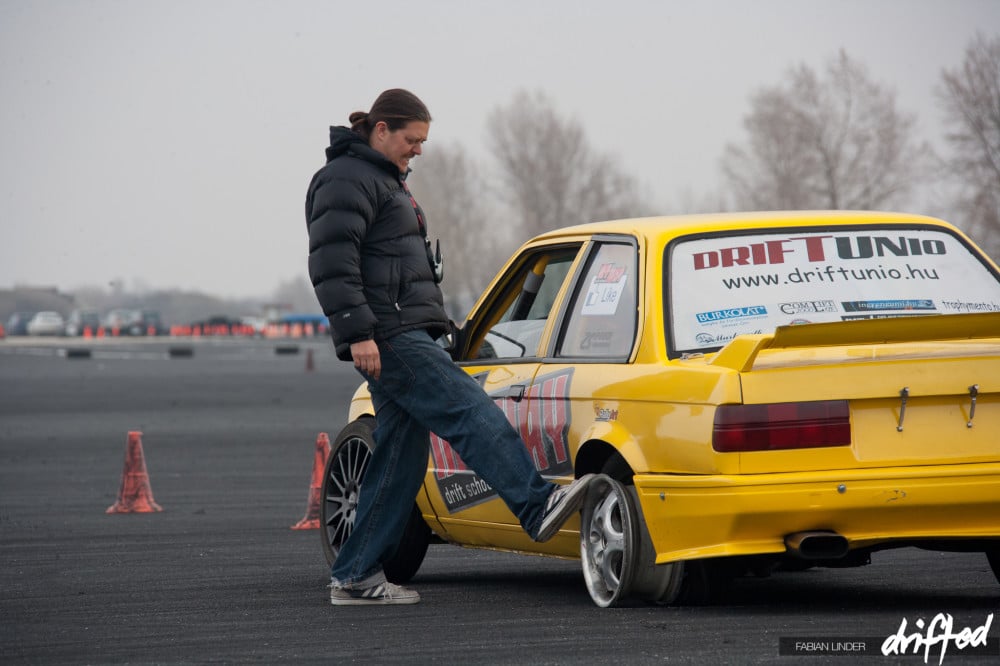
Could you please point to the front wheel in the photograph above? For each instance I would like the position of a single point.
(344, 474)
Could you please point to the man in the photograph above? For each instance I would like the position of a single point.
(377, 281)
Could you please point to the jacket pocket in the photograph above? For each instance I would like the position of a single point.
(394, 285)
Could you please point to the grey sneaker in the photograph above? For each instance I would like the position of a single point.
(562, 503)
(379, 593)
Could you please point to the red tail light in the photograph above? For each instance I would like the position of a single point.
(784, 425)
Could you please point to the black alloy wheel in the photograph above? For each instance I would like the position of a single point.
(342, 480)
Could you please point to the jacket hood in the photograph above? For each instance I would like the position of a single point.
(341, 140)
(345, 141)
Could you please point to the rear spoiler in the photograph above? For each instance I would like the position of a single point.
(743, 350)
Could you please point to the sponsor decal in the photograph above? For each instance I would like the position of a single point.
(824, 276)
(707, 339)
(731, 313)
(817, 249)
(962, 306)
(542, 419)
(800, 307)
(890, 315)
(605, 414)
(891, 304)
(830, 274)
(596, 340)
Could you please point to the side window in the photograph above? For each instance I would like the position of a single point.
(516, 326)
(602, 317)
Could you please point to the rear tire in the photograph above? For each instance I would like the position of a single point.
(342, 479)
(619, 562)
(609, 542)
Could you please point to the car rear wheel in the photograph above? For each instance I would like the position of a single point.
(617, 553)
(344, 474)
(608, 542)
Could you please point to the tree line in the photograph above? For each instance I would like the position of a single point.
(828, 139)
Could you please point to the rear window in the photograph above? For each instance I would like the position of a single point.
(721, 286)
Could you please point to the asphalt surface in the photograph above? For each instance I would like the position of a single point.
(218, 576)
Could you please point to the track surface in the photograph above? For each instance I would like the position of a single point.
(219, 576)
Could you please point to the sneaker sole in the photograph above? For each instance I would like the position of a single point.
(551, 525)
(352, 601)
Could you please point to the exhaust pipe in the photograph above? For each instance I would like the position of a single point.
(816, 545)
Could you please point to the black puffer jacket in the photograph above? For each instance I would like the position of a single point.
(367, 258)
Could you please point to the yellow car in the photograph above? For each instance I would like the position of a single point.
(760, 391)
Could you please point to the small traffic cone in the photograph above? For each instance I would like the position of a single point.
(134, 493)
(310, 364)
(310, 521)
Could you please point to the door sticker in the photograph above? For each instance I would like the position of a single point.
(542, 419)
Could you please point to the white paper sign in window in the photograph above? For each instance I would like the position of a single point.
(724, 286)
(605, 290)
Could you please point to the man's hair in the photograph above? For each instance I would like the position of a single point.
(395, 107)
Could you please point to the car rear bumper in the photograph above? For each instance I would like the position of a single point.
(693, 517)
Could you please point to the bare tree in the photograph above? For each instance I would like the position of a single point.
(970, 96)
(836, 142)
(459, 212)
(549, 174)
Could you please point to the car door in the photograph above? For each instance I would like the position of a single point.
(501, 346)
(585, 381)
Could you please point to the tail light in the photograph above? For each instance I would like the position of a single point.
(784, 425)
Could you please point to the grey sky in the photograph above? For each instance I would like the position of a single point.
(169, 143)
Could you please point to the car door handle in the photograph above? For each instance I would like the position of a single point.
(515, 392)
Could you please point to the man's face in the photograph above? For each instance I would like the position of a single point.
(402, 145)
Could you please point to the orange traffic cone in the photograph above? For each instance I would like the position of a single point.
(134, 494)
(310, 521)
(310, 364)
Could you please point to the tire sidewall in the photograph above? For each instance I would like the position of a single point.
(413, 543)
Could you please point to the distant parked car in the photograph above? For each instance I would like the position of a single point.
(46, 322)
(81, 320)
(146, 322)
(118, 321)
(256, 326)
(217, 325)
(17, 323)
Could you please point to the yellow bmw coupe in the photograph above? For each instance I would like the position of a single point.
(759, 391)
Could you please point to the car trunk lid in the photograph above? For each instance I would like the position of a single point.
(920, 390)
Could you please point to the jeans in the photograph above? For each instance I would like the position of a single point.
(421, 390)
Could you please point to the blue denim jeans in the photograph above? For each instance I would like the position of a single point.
(421, 390)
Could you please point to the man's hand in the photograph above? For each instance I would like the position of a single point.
(366, 358)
